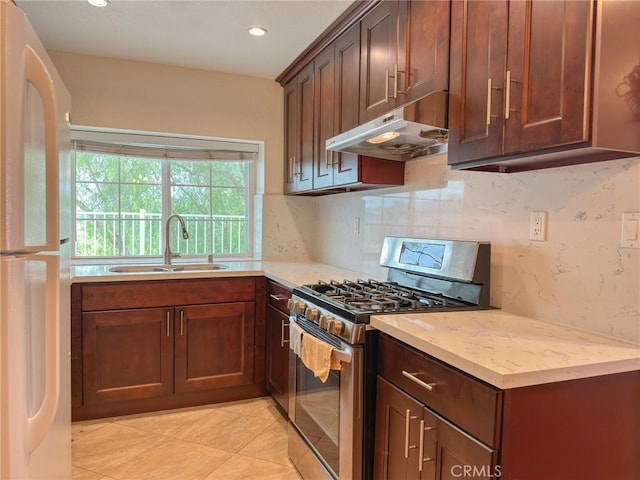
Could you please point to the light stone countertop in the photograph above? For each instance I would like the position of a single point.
(504, 350)
(289, 274)
(510, 351)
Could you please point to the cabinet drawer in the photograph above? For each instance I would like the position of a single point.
(122, 295)
(278, 296)
(465, 401)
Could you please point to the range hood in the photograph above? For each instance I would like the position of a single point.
(414, 130)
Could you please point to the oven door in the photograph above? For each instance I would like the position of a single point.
(326, 429)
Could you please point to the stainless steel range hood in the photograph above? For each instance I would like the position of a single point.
(415, 130)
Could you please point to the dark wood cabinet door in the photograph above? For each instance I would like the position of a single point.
(477, 70)
(423, 56)
(397, 433)
(299, 132)
(347, 91)
(452, 454)
(303, 161)
(324, 79)
(277, 370)
(379, 47)
(214, 346)
(290, 134)
(127, 354)
(547, 73)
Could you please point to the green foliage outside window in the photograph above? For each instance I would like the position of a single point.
(121, 204)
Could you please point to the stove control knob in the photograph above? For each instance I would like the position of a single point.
(335, 327)
(324, 321)
(312, 314)
(298, 307)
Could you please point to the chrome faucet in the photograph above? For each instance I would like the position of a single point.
(167, 240)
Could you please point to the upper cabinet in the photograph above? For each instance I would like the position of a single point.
(337, 73)
(320, 102)
(523, 83)
(298, 131)
(404, 54)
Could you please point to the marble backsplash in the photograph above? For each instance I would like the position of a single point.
(579, 276)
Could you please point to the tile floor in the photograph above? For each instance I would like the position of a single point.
(237, 440)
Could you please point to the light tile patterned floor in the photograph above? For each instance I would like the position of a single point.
(237, 440)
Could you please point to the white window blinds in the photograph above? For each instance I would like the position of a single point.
(143, 145)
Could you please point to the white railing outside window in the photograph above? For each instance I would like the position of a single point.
(107, 234)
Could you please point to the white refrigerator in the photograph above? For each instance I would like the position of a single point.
(35, 162)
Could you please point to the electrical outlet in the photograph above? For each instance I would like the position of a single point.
(356, 225)
(630, 230)
(538, 227)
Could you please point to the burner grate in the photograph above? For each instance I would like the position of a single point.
(380, 296)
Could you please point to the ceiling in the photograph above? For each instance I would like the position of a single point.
(204, 34)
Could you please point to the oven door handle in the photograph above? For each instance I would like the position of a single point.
(342, 355)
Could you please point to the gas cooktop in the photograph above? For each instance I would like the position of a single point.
(373, 296)
(425, 275)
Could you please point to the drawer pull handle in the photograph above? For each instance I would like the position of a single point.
(407, 418)
(282, 340)
(413, 378)
(279, 298)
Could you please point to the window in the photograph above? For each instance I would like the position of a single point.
(127, 185)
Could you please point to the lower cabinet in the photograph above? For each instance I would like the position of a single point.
(413, 442)
(277, 361)
(214, 346)
(436, 422)
(158, 352)
(432, 421)
(127, 354)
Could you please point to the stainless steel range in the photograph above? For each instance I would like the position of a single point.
(331, 427)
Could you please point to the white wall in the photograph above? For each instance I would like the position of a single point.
(124, 94)
(579, 276)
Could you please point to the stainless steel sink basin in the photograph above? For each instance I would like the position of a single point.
(185, 267)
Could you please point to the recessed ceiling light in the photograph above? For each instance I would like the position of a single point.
(257, 31)
(99, 3)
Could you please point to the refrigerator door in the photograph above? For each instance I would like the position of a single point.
(35, 411)
(35, 345)
(29, 180)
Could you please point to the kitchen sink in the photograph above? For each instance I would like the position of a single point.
(185, 267)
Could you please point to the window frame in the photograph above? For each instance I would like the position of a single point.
(160, 140)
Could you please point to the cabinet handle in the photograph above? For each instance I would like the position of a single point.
(278, 297)
(397, 81)
(290, 167)
(490, 88)
(489, 101)
(421, 448)
(386, 85)
(507, 96)
(407, 418)
(168, 332)
(282, 340)
(295, 170)
(413, 378)
(328, 158)
(181, 320)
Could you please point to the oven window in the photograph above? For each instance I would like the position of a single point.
(317, 412)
